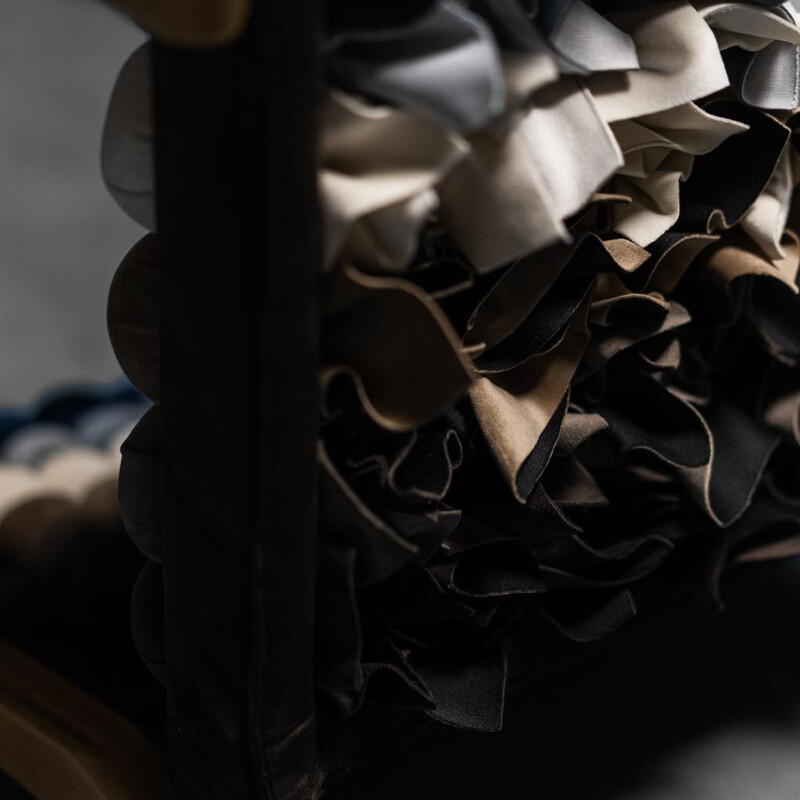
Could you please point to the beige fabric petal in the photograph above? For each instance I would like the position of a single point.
(687, 128)
(679, 60)
(659, 150)
(526, 73)
(375, 158)
(747, 26)
(514, 408)
(655, 200)
(388, 238)
(509, 197)
(396, 344)
(127, 155)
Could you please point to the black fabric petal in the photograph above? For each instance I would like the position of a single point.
(469, 687)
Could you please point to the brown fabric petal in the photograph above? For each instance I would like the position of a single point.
(397, 345)
(514, 408)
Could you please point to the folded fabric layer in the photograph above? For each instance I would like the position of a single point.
(582, 40)
(379, 166)
(761, 49)
(510, 195)
(678, 58)
(659, 150)
(443, 64)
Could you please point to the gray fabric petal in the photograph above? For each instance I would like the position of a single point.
(445, 66)
(772, 79)
(587, 42)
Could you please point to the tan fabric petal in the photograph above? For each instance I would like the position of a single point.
(627, 254)
(516, 294)
(679, 60)
(577, 428)
(523, 285)
(396, 344)
(672, 265)
(736, 255)
(514, 408)
(611, 293)
(650, 319)
(660, 353)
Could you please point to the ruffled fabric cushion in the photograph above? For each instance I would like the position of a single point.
(560, 334)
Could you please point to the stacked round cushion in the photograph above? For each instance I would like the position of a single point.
(59, 464)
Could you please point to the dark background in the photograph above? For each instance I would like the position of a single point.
(61, 236)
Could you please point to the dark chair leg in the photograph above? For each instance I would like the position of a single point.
(238, 236)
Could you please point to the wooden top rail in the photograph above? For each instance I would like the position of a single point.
(189, 23)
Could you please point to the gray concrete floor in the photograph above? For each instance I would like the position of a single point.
(61, 236)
